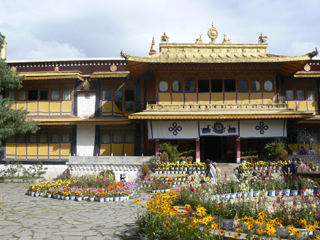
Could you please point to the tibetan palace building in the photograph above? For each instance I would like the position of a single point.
(218, 98)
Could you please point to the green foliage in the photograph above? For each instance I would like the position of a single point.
(12, 121)
(171, 150)
(109, 174)
(272, 150)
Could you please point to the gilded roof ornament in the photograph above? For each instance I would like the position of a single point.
(153, 48)
(213, 34)
(165, 37)
(262, 38)
(199, 40)
(86, 86)
(124, 54)
(226, 40)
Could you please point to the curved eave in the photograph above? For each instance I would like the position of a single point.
(311, 120)
(290, 65)
(110, 74)
(218, 115)
(51, 75)
(77, 121)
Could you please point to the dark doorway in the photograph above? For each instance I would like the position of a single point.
(213, 148)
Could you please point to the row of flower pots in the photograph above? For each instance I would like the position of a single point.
(80, 198)
(270, 193)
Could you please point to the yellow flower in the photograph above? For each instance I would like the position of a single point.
(303, 221)
(137, 201)
(239, 230)
(250, 226)
(221, 232)
(260, 231)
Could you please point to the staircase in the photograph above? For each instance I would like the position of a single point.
(227, 168)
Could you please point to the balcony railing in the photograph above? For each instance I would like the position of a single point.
(212, 107)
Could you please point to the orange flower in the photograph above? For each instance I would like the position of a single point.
(167, 224)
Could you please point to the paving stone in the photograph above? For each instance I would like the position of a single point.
(28, 217)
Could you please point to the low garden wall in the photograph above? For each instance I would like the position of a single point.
(131, 166)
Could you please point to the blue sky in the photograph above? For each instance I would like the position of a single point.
(37, 29)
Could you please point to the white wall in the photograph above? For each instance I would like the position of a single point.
(51, 173)
(86, 105)
(85, 139)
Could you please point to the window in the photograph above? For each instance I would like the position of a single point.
(33, 95)
(10, 139)
(32, 138)
(203, 86)
(66, 96)
(118, 99)
(300, 95)
(268, 86)
(55, 138)
(117, 138)
(44, 95)
(243, 85)
(105, 138)
(311, 95)
(129, 138)
(22, 138)
(190, 86)
(255, 86)
(163, 86)
(43, 138)
(66, 137)
(177, 86)
(22, 95)
(12, 95)
(289, 95)
(129, 98)
(216, 85)
(106, 95)
(55, 95)
(229, 85)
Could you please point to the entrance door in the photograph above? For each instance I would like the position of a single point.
(212, 148)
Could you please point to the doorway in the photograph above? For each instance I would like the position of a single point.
(213, 148)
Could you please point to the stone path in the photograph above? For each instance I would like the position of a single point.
(24, 217)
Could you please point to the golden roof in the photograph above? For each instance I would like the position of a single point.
(76, 121)
(225, 52)
(51, 75)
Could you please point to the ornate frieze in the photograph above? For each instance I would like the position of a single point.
(210, 107)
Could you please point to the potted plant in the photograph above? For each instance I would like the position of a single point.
(145, 171)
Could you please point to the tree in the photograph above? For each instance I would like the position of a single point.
(12, 121)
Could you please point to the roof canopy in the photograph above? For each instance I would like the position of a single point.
(216, 53)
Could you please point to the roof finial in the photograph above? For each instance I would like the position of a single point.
(153, 48)
(262, 38)
(165, 37)
(213, 34)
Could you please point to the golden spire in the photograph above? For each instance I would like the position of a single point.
(153, 48)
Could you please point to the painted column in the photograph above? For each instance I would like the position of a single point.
(238, 150)
(157, 148)
(198, 150)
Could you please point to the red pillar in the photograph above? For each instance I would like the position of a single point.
(157, 148)
(238, 150)
(198, 150)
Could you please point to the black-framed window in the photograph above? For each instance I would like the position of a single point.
(216, 86)
(229, 85)
(203, 86)
(32, 95)
(243, 85)
(289, 95)
(44, 95)
(129, 99)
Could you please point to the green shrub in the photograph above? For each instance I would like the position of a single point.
(171, 150)
(272, 150)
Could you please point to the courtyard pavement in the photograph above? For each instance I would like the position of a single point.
(24, 217)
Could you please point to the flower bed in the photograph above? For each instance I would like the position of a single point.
(162, 219)
(68, 190)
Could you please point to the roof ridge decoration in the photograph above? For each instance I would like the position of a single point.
(213, 34)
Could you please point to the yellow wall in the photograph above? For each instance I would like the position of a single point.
(207, 98)
(45, 108)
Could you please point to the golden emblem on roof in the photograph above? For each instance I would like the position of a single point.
(262, 38)
(213, 34)
(165, 37)
(113, 68)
